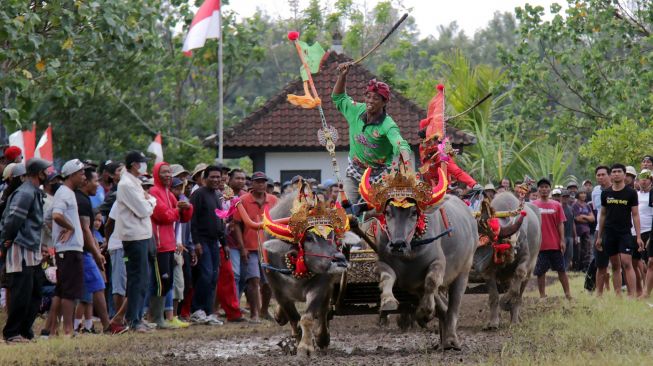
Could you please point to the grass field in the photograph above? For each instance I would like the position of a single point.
(586, 331)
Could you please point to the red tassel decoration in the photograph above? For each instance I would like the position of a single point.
(300, 266)
(293, 35)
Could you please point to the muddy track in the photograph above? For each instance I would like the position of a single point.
(357, 340)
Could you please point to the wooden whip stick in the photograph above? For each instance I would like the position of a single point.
(394, 28)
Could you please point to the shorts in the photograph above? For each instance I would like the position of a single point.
(93, 280)
(637, 255)
(118, 272)
(70, 275)
(615, 242)
(178, 278)
(253, 268)
(549, 259)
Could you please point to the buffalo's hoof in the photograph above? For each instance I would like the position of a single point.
(389, 305)
(323, 341)
(452, 343)
(405, 321)
(305, 351)
(383, 320)
(280, 317)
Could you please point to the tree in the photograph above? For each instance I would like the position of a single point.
(581, 72)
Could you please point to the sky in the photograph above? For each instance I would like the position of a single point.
(471, 15)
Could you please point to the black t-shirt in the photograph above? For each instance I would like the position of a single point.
(618, 205)
(84, 208)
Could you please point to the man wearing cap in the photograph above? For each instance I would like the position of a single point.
(570, 227)
(489, 191)
(248, 241)
(178, 171)
(114, 172)
(196, 176)
(208, 233)
(20, 237)
(619, 213)
(553, 239)
(374, 138)
(134, 228)
(631, 176)
(13, 154)
(69, 242)
(572, 188)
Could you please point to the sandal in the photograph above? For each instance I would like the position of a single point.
(17, 339)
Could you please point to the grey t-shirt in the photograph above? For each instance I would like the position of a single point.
(65, 203)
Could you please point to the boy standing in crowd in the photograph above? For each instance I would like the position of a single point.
(553, 239)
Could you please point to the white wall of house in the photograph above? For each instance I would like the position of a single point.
(275, 162)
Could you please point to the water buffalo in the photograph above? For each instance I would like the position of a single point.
(412, 253)
(515, 271)
(303, 261)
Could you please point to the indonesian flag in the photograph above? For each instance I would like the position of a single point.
(156, 148)
(25, 140)
(205, 25)
(44, 148)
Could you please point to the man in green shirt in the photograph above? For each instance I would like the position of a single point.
(374, 138)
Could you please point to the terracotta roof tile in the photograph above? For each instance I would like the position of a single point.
(280, 124)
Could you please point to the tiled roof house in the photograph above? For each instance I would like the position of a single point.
(281, 139)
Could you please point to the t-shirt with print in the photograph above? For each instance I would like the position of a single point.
(618, 206)
(65, 204)
(552, 216)
(581, 209)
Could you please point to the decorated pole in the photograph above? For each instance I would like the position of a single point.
(327, 135)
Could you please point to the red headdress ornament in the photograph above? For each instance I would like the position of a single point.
(379, 88)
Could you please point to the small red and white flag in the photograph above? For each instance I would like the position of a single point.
(156, 148)
(206, 24)
(25, 140)
(44, 148)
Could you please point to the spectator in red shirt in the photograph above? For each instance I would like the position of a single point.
(248, 242)
(553, 239)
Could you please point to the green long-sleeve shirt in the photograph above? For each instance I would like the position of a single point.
(373, 144)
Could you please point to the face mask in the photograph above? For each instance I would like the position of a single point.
(143, 168)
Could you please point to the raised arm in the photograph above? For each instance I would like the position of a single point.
(341, 83)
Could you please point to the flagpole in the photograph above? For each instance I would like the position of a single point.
(220, 92)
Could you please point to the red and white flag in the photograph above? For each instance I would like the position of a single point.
(156, 148)
(205, 25)
(25, 140)
(44, 149)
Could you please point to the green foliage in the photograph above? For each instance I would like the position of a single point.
(625, 142)
(585, 69)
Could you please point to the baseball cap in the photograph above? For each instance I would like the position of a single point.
(71, 167)
(565, 193)
(146, 181)
(35, 165)
(259, 176)
(544, 181)
(556, 191)
(587, 181)
(135, 157)
(572, 184)
(631, 170)
(178, 169)
(18, 170)
(12, 152)
(645, 174)
(176, 182)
